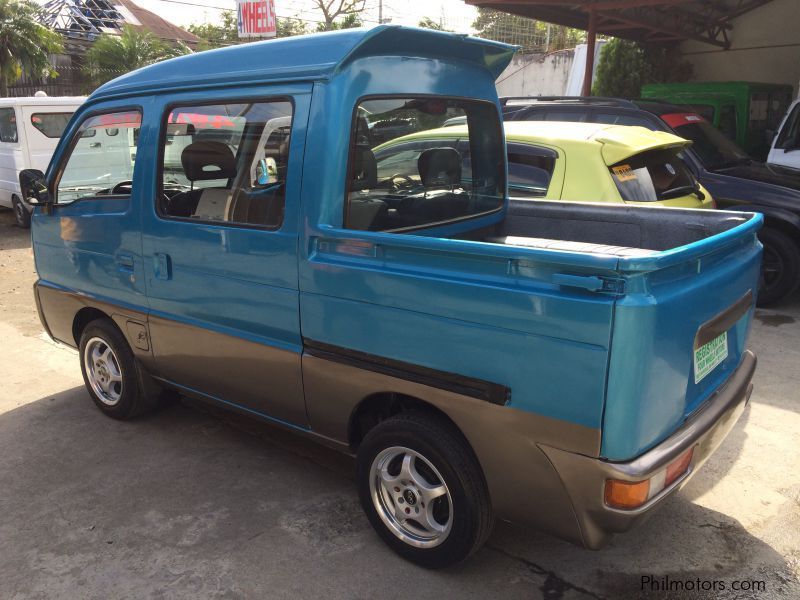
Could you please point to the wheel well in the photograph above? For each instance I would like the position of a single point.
(783, 226)
(82, 319)
(383, 405)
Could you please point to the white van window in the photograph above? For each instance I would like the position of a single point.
(100, 165)
(226, 163)
(51, 124)
(8, 126)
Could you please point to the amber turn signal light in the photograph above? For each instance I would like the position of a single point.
(626, 494)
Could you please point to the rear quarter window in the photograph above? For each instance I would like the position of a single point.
(51, 125)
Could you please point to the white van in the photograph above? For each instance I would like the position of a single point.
(29, 131)
(785, 150)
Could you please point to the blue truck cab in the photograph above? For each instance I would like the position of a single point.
(218, 225)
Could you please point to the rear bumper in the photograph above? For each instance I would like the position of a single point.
(584, 477)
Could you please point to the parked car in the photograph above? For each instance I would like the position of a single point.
(565, 365)
(734, 180)
(581, 162)
(29, 131)
(747, 113)
(785, 150)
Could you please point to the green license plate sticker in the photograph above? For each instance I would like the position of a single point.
(709, 355)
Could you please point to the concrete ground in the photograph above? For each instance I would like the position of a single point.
(190, 503)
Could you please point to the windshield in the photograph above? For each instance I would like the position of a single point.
(652, 176)
(715, 150)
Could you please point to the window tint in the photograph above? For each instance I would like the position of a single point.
(789, 136)
(8, 125)
(99, 165)
(715, 150)
(617, 119)
(653, 175)
(51, 124)
(727, 121)
(227, 163)
(566, 115)
(529, 170)
(408, 170)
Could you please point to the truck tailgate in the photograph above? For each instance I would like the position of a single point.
(679, 331)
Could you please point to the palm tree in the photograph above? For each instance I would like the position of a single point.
(115, 55)
(25, 44)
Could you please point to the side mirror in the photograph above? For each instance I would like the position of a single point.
(34, 187)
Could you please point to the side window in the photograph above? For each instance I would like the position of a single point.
(789, 136)
(8, 126)
(99, 165)
(412, 165)
(577, 116)
(620, 119)
(727, 120)
(226, 163)
(529, 170)
(52, 125)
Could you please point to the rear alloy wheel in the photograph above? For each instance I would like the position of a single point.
(21, 214)
(780, 266)
(423, 490)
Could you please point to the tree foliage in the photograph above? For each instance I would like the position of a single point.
(226, 33)
(348, 21)
(114, 55)
(25, 44)
(521, 31)
(624, 66)
(428, 23)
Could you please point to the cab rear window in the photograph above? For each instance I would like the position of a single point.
(652, 176)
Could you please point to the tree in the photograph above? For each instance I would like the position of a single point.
(227, 33)
(333, 9)
(428, 23)
(624, 66)
(521, 31)
(115, 55)
(25, 44)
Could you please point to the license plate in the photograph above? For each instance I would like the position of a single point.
(709, 355)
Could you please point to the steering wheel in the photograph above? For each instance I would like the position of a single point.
(123, 187)
(407, 181)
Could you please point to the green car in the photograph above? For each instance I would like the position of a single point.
(748, 113)
(586, 162)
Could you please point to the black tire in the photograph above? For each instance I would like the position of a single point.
(443, 447)
(132, 402)
(21, 214)
(780, 268)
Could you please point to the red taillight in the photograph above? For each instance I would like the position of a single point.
(678, 467)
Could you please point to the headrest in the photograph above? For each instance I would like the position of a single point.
(365, 169)
(208, 160)
(440, 167)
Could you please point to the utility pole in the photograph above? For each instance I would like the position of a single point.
(380, 12)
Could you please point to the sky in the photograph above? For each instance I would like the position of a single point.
(455, 13)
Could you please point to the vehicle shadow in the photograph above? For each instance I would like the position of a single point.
(193, 502)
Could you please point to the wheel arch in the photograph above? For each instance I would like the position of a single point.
(775, 218)
(85, 316)
(380, 406)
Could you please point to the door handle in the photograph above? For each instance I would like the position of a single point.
(125, 263)
(162, 266)
(95, 145)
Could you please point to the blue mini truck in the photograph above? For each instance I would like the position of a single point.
(218, 225)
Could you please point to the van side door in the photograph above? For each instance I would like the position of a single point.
(220, 244)
(88, 245)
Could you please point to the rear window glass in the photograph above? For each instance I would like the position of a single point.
(652, 176)
(51, 124)
(413, 165)
(529, 170)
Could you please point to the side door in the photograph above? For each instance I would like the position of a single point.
(220, 245)
(90, 242)
(11, 156)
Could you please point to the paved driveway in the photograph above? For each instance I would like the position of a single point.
(193, 503)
